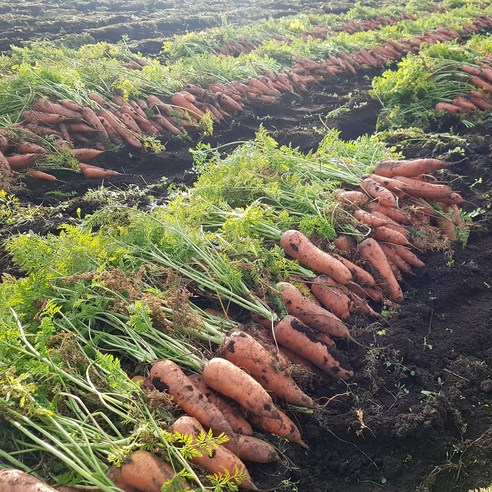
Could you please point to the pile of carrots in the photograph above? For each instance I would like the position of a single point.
(479, 99)
(117, 121)
(239, 387)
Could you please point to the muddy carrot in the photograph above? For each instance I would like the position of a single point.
(310, 313)
(297, 337)
(379, 192)
(298, 246)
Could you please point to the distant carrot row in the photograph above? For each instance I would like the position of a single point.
(243, 45)
(120, 122)
(475, 100)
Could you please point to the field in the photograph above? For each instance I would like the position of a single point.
(310, 180)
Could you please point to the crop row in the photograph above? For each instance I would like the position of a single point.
(447, 77)
(302, 244)
(102, 119)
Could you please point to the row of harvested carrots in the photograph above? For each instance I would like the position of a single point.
(128, 122)
(251, 368)
(243, 45)
(479, 99)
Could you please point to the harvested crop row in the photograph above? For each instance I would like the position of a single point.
(134, 122)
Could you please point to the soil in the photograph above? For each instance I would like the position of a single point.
(417, 415)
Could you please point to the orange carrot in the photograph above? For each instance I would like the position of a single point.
(19, 481)
(448, 107)
(359, 274)
(368, 219)
(250, 448)
(229, 380)
(247, 353)
(166, 375)
(481, 84)
(238, 423)
(354, 197)
(146, 472)
(220, 460)
(94, 172)
(178, 99)
(344, 243)
(166, 124)
(390, 183)
(120, 129)
(92, 119)
(296, 336)
(331, 296)
(282, 426)
(298, 246)
(464, 104)
(228, 103)
(370, 251)
(21, 161)
(68, 103)
(114, 474)
(53, 108)
(310, 313)
(383, 195)
(408, 168)
(388, 235)
(39, 117)
(30, 148)
(110, 131)
(408, 256)
(399, 262)
(86, 154)
(37, 174)
(393, 213)
(425, 190)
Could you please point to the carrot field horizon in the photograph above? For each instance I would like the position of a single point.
(245, 246)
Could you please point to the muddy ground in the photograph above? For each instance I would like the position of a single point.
(417, 415)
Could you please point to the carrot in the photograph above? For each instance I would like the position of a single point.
(166, 375)
(19, 481)
(120, 129)
(40, 117)
(399, 262)
(344, 243)
(220, 460)
(53, 108)
(408, 256)
(453, 199)
(370, 251)
(110, 131)
(72, 105)
(481, 84)
(389, 235)
(359, 305)
(37, 174)
(408, 168)
(92, 119)
(393, 213)
(250, 448)
(237, 422)
(282, 426)
(21, 161)
(295, 359)
(228, 103)
(94, 172)
(481, 103)
(64, 132)
(291, 333)
(298, 246)
(425, 190)
(391, 224)
(368, 219)
(247, 353)
(354, 197)
(128, 120)
(178, 99)
(30, 148)
(311, 314)
(464, 104)
(146, 472)
(390, 183)
(328, 293)
(114, 474)
(229, 380)
(86, 154)
(448, 107)
(166, 124)
(383, 195)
